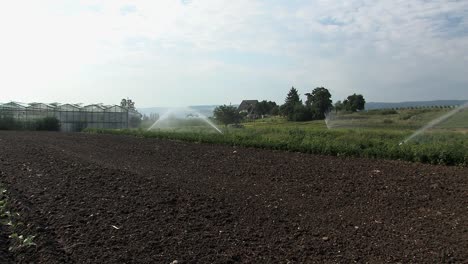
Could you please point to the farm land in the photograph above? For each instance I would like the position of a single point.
(371, 134)
(165, 197)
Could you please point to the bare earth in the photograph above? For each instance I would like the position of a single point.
(116, 199)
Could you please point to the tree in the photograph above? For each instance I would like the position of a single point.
(292, 99)
(319, 102)
(338, 106)
(227, 114)
(275, 111)
(300, 113)
(265, 107)
(128, 104)
(354, 102)
(262, 107)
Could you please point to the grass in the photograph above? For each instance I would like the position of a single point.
(367, 134)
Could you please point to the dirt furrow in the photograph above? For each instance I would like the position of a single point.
(116, 199)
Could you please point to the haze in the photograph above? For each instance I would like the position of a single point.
(176, 53)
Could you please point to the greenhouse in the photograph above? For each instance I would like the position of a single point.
(72, 117)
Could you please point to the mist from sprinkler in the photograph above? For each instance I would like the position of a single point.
(327, 119)
(188, 113)
(434, 123)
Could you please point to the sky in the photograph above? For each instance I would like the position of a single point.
(202, 52)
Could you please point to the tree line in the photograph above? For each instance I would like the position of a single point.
(318, 103)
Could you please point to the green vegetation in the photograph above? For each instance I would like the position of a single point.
(293, 109)
(10, 220)
(47, 124)
(317, 105)
(456, 122)
(354, 103)
(42, 124)
(8, 123)
(319, 102)
(267, 108)
(227, 114)
(372, 134)
(20, 241)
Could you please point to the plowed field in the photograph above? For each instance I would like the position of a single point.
(118, 199)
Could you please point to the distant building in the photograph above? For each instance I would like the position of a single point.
(72, 117)
(248, 107)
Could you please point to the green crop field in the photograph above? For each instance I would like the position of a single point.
(372, 134)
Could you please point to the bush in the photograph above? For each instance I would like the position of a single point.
(435, 148)
(300, 113)
(227, 114)
(48, 124)
(388, 112)
(388, 121)
(8, 123)
(406, 116)
(44, 124)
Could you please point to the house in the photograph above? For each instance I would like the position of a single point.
(248, 107)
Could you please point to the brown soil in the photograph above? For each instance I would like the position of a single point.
(116, 199)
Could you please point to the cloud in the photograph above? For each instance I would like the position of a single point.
(127, 9)
(359, 45)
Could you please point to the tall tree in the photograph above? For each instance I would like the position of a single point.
(354, 102)
(319, 101)
(227, 114)
(292, 99)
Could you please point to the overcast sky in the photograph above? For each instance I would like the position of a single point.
(192, 52)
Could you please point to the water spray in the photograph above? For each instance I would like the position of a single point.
(329, 118)
(193, 113)
(434, 123)
(164, 116)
